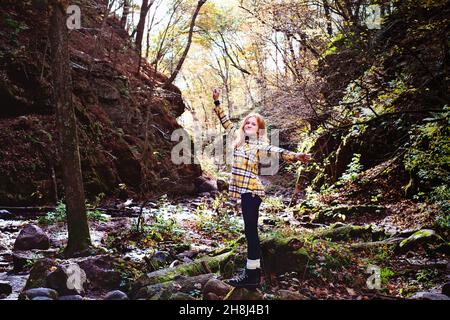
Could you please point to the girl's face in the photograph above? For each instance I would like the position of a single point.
(251, 126)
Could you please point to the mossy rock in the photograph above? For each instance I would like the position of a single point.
(418, 238)
(39, 272)
(282, 255)
(339, 212)
(344, 233)
(200, 266)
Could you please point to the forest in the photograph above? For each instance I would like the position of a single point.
(118, 180)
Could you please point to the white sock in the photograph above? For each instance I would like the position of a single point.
(253, 264)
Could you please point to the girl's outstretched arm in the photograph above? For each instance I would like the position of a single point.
(224, 119)
(286, 155)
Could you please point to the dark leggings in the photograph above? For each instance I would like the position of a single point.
(250, 210)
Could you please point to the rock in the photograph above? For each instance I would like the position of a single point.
(424, 236)
(100, 271)
(429, 296)
(244, 294)
(211, 296)
(116, 295)
(5, 288)
(181, 296)
(203, 184)
(67, 279)
(71, 297)
(283, 255)
(5, 214)
(38, 292)
(39, 272)
(32, 237)
(217, 287)
(42, 298)
(346, 232)
(159, 260)
(21, 259)
(222, 185)
(291, 295)
(446, 289)
(166, 289)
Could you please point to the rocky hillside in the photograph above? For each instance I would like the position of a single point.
(111, 102)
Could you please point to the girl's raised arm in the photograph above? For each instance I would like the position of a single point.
(224, 119)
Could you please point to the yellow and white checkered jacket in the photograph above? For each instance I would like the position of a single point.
(245, 168)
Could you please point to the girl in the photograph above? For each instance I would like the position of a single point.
(251, 139)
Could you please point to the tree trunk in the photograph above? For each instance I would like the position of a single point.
(79, 239)
(141, 24)
(188, 45)
(328, 17)
(126, 11)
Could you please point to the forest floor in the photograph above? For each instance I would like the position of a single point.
(189, 228)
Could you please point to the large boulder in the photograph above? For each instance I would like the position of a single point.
(101, 272)
(67, 279)
(39, 272)
(32, 237)
(31, 294)
(418, 238)
(281, 255)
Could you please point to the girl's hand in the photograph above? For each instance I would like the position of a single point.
(216, 94)
(304, 157)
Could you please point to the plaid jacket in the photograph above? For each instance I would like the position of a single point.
(246, 158)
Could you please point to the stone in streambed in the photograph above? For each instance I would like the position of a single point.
(5, 288)
(38, 292)
(71, 297)
(32, 237)
(116, 295)
(430, 296)
(446, 289)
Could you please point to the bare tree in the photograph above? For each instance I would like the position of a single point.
(188, 45)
